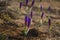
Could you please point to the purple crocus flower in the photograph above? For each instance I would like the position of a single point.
(41, 7)
(21, 4)
(42, 15)
(33, 2)
(26, 2)
(26, 19)
(31, 14)
(49, 8)
(49, 22)
(29, 22)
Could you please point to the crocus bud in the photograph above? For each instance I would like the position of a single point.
(26, 2)
(26, 19)
(33, 2)
(29, 22)
(49, 22)
(42, 15)
(21, 4)
(49, 8)
(31, 14)
(41, 8)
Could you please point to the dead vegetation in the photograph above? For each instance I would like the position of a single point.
(12, 21)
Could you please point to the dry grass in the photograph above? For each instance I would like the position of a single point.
(14, 33)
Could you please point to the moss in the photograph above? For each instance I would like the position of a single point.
(58, 24)
(24, 33)
(2, 37)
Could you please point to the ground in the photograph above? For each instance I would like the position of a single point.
(14, 31)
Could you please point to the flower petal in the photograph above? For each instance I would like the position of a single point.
(29, 22)
(26, 2)
(49, 8)
(33, 2)
(41, 7)
(21, 4)
(42, 15)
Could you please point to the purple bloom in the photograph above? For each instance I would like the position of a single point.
(26, 19)
(33, 2)
(41, 7)
(31, 14)
(26, 2)
(29, 22)
(49, 8)
(42, 15)
(49, 22)
(21, 4)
